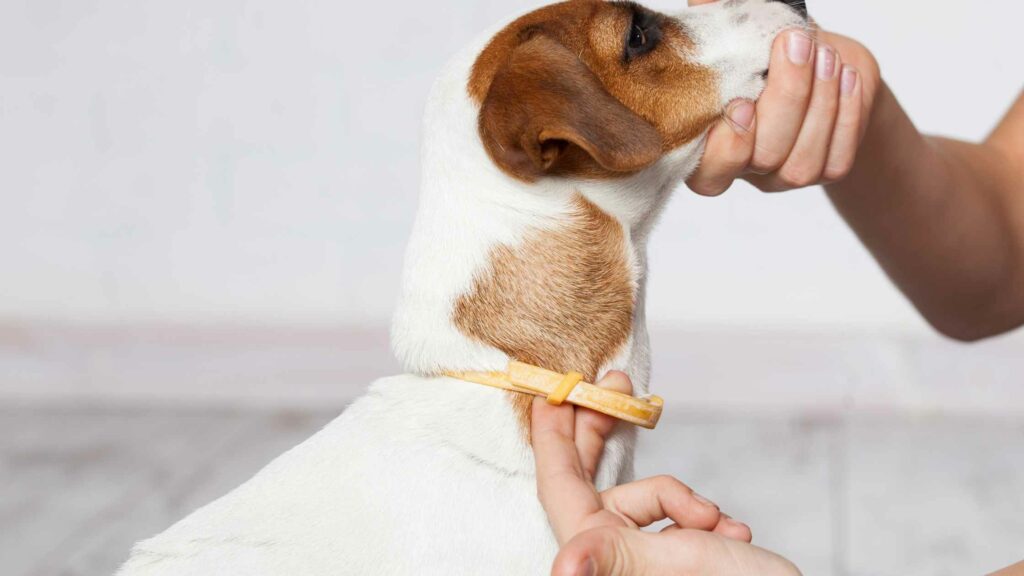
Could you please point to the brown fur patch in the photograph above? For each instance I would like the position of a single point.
(548, 114)
(562, 300)
(676, 97)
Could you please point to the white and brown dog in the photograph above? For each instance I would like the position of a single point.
(550, 148)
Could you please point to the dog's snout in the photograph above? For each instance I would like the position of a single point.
(798, 5)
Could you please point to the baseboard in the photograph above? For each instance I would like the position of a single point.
(734, 369)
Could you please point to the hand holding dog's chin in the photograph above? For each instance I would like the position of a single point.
(806, 127)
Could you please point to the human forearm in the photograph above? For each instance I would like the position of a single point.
(945, 219)
(934, 213)
(1015, 570)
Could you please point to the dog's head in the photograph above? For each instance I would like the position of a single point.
(598, 89)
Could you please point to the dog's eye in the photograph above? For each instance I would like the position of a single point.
(637, 37)
(644, 35)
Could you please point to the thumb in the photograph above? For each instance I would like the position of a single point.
(604, 552)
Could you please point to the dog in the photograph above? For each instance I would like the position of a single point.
(550, 147)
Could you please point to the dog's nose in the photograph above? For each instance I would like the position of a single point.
(798, 5)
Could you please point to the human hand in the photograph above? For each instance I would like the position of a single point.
(807, 125)
(599, 531)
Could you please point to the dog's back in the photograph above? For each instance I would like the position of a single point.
(380, 490)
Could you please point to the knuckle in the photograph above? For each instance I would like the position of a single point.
(859, 55)
(663, 479)
(668, 482)
(838, 171)
(739, 158)
(799, 175)
(766, 163)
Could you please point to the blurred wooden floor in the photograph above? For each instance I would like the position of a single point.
(851, 453)
(839, 495)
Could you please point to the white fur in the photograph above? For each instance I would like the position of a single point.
(430, 475)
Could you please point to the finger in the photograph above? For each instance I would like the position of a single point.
(650, 500)
(592, 428)
(848, 129)
(783, 105)
(567, 497)
(727, 527)
(700, 2)
(728, 151)
(806, 162)
(731, 528)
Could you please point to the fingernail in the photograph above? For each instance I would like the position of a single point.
(704, 500)
(825, 65)
(798, 48)
(588, 568)
(849, 81)
(741, 115)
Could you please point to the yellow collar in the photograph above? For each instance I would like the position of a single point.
(559, 388)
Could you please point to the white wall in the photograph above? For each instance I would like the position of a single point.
(257, 160)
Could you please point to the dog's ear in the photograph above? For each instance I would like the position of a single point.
(546, 113)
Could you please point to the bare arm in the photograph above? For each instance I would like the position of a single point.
(1015, 570)
(944, 218)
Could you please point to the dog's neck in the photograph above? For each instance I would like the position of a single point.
(549, 278)
(550, 273)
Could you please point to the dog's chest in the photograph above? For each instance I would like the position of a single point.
(563, 299)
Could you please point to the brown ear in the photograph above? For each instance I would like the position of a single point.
(546, 113)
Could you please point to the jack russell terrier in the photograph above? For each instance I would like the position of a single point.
(549, 150)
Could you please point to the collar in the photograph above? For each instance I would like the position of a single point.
(560, 388)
